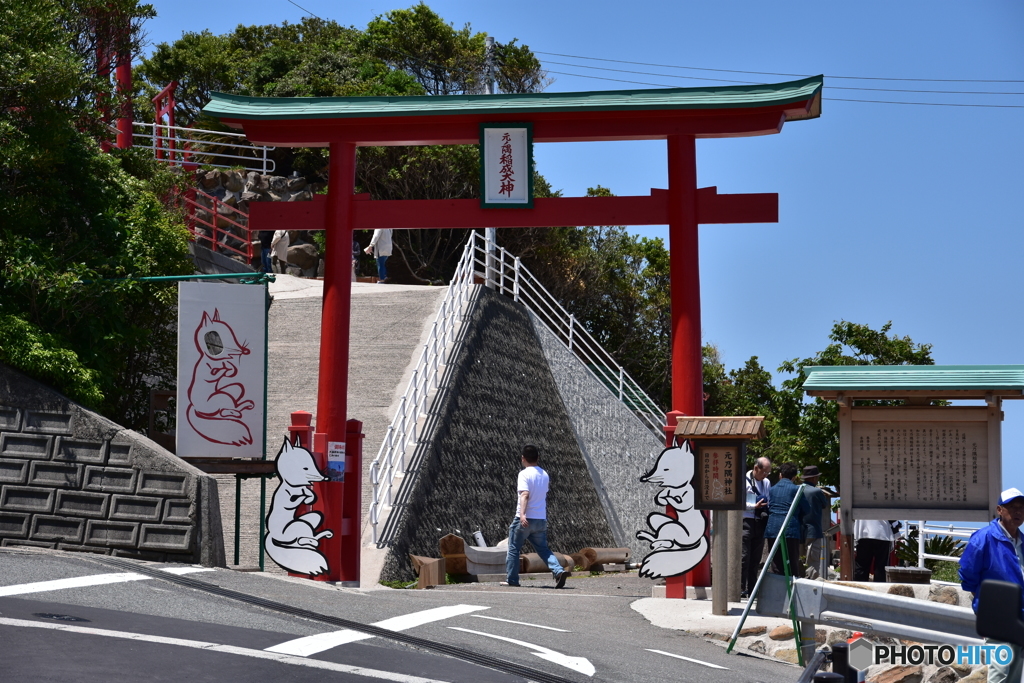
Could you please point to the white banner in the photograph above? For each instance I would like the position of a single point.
(505, 167)
(221, 365)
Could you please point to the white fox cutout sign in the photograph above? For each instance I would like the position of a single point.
(678, 545)
(292, 540)
(220, 403)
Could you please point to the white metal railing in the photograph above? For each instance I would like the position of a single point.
(178, 145)
(504, 273)
(950, 530)
(510, 277)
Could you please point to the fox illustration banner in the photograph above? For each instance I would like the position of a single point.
(221, 368)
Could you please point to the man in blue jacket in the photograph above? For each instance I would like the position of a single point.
(995, 552)
(782, 496)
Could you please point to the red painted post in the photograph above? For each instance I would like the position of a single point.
(123, 75)
(333, 383)
(351, 539)
(687, 378)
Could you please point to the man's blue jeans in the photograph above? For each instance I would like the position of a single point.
(537, 534)
(382, 269)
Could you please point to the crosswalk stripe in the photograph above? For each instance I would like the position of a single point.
(311, 645)
(75, 582)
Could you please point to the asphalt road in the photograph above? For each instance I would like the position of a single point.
(68, 617)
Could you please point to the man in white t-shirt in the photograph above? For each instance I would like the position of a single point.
(530, 523)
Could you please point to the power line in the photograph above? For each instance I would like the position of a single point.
(831, 99)
(305, 10)
(830, 87)
(772, 73)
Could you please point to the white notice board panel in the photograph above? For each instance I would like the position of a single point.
(935, 463)
(221, 366)
(506, 165)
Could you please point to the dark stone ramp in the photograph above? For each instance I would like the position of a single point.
(501, 396)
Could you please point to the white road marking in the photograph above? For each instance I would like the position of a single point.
(311, 645)
(181, 571)
(689, 659)
(581, 664)
(225, 649)
(521, 623)
(76, 582)
(91, 580)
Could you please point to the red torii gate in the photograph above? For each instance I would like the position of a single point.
(678, 115)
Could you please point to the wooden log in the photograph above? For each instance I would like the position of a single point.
(604, 556)
(530, 563)
(453, 550)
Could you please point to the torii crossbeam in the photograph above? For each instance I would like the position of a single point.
(679, 115)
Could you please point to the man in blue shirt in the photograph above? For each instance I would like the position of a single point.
(995, 552)
(782, 496)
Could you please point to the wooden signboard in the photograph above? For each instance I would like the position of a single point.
(920, 463)
(718, 477)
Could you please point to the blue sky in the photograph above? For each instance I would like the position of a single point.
(907, 213)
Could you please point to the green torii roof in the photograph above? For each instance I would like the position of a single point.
(954, 381)
(240, 107)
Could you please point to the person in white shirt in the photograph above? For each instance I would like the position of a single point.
(871, 552)
(530, 523)
(380, 247)
(755, 520)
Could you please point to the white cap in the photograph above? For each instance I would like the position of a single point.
(1008, 495)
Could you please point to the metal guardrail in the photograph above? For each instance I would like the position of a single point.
(858, 609)
(205, 210)
(507, 275)
(180, 145)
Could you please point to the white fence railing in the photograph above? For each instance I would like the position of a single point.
(504, 273)
(220, 149)
(925, 531)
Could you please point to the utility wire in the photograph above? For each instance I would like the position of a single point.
(831, 87)
(306, 10)
(771, 73)
(833, 99)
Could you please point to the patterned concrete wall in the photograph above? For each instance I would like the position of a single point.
(500, 396)
(73, 480)
(618, 447)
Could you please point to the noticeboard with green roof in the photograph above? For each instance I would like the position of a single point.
(917, 461)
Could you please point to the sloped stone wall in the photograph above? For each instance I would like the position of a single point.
(73, 480)
(617, 446)
(501, 396)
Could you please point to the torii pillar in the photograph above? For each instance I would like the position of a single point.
(678, 115)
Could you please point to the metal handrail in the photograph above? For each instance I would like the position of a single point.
(194, 209)
(176, 145)
(517, 282)
(923, 530)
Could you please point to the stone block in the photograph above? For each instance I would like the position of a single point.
(163, 484)
(10, 419)
(57, 475)
(25, 446)
(25, 499)
(164, 537)
(119, 454)
(82, 504)
(178, 511)
(47, 423)
(57, 529)
(13, 542)
(13, 525)
(109, 479)
(67, 449)
(111, 534)
(14, 471)
(136, 508)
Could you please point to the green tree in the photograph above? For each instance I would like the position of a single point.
(74, 219)
(798, 430)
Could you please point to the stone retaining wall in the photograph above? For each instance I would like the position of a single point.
(72, 480)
